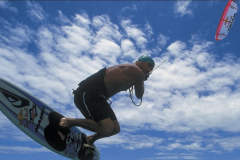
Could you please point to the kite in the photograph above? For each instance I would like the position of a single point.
(226, 20)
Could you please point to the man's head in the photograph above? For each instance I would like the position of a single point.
(146, 64)
(146, 58)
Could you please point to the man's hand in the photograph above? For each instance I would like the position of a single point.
(147, 76)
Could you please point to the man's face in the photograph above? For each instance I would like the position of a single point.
(146, 67)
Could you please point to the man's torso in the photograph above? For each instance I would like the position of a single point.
(119, 78)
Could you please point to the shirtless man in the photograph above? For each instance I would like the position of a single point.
(92, 95)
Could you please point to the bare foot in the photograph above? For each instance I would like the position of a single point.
(64, 122)
(61, 135)
(89, 140)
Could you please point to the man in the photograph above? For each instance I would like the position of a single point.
(92, 95)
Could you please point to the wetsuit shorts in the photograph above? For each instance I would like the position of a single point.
(91, 98)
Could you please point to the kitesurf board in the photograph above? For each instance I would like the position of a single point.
(41, 122)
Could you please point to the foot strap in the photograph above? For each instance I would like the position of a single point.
(89, 146)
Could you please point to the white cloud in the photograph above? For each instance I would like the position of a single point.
(62, 18)
(106, 29)
(182, 8)
(176, 48)
(171, 157)
(135, 33)
(128, 49)
(148, 31)
(22, 149)
(229, 144)
(7, 6)
(193, 146)
(130, 142)
(165, 155)
(174, 154)
(3, 4)
(35, 11)
(162, 40)
(107, 50)
(82, 20)
(133, 7)
(16, 35)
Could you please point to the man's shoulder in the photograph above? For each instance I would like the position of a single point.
(127, 69)
(126, 66)
(133, 70)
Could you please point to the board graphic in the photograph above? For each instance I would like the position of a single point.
(41, 122)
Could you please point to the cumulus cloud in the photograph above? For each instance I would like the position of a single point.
(133, 7)
(171, 157)
(15, 35)
(105, 29)
(135, 33)
(21, 149)
(7, 6)
(35, 11)
(229, 144)
(62, 18)
(181, 8)
(128, 48)
(162, 40)
(131, 142)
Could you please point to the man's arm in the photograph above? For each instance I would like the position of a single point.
(138, 78)
(139, 90)
(139, 85)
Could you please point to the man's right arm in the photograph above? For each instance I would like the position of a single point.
(139, 90)
(139, 84)
(138, 78)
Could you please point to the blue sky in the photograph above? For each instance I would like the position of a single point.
(191, 104)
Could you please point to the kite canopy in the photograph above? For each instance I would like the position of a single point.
(226, 20)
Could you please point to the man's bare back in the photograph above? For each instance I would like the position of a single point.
(122, 77)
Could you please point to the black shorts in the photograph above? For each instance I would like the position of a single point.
(91, 98)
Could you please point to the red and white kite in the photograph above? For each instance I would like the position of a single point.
(226, 20)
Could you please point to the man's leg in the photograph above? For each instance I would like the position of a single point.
(103, 127)
(91, 139)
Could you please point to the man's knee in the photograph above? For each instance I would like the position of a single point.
(108, 130)
(111, 130)
(116, 130)
(106, 127)
(116, 127)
